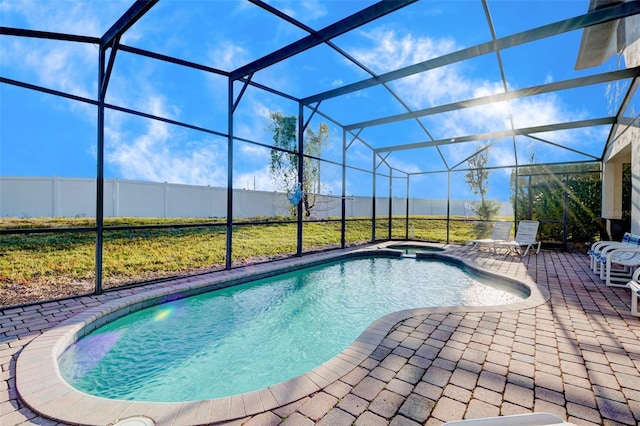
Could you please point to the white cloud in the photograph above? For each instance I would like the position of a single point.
(227, 55)
(258, 179)
(252, 125)
(162, 153)
(254, 151)
(304, 10)
(390, 50)
(68, 17)
(65, 66)
(313, 9)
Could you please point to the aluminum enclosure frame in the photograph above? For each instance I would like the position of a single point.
(109, 45)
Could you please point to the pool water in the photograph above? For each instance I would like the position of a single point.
(254, 335)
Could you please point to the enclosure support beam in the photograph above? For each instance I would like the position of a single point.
(229, 245)
(448, 203)
(244, 88)
(20, 32)
(343, 198)
(373, 197)
(102, 77)
(590, 80)
(300, 176)
(406, 224)
(592, 18)
(345, 25)
(107, 72)
(628, 98)
(525, 131)
(515, 195)
(390, 234)
(565, 212)
(130, 17)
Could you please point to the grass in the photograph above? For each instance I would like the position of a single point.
(65, 262)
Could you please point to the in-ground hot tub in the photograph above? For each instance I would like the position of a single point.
(412, 249)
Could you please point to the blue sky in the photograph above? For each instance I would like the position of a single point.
(44, 135)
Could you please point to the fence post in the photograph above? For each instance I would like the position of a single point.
(116, 197)
(54, 198)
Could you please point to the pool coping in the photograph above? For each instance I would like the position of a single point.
(42, 388)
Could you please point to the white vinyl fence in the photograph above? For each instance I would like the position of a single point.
(75, 197)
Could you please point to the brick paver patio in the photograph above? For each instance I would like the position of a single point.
(577, 356)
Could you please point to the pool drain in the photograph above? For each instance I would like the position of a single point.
(135, 421)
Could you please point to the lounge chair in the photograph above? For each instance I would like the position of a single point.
(635, 292)
(618, 263)
(526, 235)
(595, 253)
(531, 419)
(501, 232)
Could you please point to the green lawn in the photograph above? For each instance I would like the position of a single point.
(67, 260)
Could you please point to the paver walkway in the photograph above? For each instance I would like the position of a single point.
(577, 356)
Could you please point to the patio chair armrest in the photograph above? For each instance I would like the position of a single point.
(618, 246)
(598, 245)
(614, 257)
(623, 250)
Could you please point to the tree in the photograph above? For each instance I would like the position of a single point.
(284, 158)
(478, 180)
(540, 193)
(313, 143)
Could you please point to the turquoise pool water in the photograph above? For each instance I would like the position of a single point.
(261, 333)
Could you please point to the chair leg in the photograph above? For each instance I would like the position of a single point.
(596, 266)
(608, 276)
(635, 295)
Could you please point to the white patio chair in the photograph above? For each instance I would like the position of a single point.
(501, 233)
(618, 264)
(595, 258)
(526, 236)
(531, 419)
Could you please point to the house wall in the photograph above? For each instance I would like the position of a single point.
(635, 187)
(624, 149)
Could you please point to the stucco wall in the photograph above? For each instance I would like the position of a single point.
(625, 147)
(632, 136)
(635, 179)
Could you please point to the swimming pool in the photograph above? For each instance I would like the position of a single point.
(257, 334)
(41, 388)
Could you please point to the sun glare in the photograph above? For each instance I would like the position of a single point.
(163, 314)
